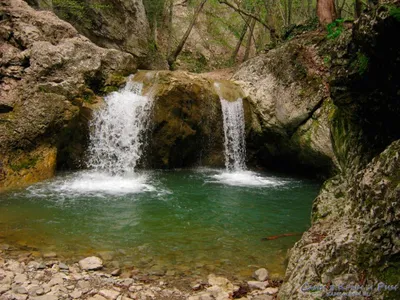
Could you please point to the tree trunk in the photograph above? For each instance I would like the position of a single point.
(357, 9)
(172, 57)
(249, 39)
(239, 43)
(309, 8)
(170, 16)
(154, 31)
(326, 11)
(289, 13)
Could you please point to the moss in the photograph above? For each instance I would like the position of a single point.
(88, 95)
(361, 63)
(26, 163)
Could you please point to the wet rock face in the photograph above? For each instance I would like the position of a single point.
(118, 24)
(49, 78)
(354, 234)
(187, 121)
(290, 101)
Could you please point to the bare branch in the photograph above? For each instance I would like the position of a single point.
(246, 13)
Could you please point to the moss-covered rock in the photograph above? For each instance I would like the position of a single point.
(355, 218)
(187, 118)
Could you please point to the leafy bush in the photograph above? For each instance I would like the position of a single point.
(335, 28)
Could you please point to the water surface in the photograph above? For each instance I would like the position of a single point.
(188, 221)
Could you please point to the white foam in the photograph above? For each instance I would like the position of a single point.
(246, 178)
(93, 183)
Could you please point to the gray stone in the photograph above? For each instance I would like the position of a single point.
(49, 255)
(21, 290)
(271, 290)
(116, 272)
(91, 263)
(76, 294)
(45, 297)
(40, 291)
(109, 294)
(4, 288)
(257, 285)
(20, 278)
(261, 274)
(63, 266)
(55, 280)
(97, 297)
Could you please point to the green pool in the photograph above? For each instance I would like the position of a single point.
(181, 221)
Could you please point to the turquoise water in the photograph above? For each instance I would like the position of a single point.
(188, 221)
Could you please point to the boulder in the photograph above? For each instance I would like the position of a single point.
(289, 100)
(187, 125)
(118, 24)
(50, 78)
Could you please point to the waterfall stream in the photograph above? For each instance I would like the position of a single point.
(118, 135)
(234, 134)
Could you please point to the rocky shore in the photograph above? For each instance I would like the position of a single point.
(28, 278)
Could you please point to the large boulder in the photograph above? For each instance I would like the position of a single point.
(118, 24)
(49, 77)
(288, 92)
(187, 119)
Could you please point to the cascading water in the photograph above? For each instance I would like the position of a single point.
(118, 135)
(116, 144)
(235, 145)
(234, 132)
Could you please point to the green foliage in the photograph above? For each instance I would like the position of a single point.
(76, 10)
(196, 63)
(154, 10)
(291, 31)
(327, 60)
(395, 12)
(361, 63)
(335, 28)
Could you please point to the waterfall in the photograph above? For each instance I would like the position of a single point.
(118, 130)
(234, 133)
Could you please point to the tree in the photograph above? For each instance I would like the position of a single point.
(248, 46)
(326, 11)
(173, 56)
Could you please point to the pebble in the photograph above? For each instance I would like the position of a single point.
(52, 283)
(116, 272)
(63, 266)
(20, 278)
(257, 285)
(50, 255)
(76, 294)
(109, 294)
(91, 263)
